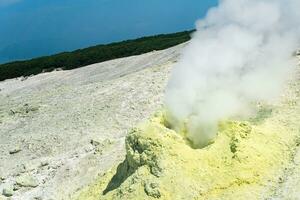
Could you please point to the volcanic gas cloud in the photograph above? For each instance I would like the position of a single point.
(241, 53)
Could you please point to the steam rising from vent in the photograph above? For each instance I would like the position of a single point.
(241, 53)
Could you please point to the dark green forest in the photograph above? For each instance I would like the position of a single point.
(91, 55)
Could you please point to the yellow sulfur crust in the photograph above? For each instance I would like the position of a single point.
(245, 161)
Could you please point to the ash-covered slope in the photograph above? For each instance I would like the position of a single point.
(59, 130)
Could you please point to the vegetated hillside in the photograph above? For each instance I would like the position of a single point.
(91, 55)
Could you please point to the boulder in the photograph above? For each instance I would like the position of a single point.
(8, 191)
(27, 181)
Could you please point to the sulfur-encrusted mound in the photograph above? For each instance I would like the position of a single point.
(246, 161)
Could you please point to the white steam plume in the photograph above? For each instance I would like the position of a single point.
(240, 53)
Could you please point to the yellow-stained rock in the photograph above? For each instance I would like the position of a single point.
(246, 161)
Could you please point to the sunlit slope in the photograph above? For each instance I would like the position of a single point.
(248, 160)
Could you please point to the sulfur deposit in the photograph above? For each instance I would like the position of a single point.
(248, 159)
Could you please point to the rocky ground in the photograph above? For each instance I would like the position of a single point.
(59, 130)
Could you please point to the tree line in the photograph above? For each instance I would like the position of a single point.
(91, 55)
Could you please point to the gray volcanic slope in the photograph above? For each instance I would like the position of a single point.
(59, 130)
